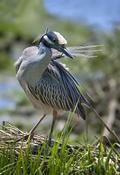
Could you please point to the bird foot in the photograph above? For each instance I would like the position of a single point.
(28, 137)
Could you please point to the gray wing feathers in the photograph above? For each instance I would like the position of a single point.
(58, 88)
(50, 90)
(70, 85)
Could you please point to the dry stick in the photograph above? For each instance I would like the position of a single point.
(112, 132)
(111, 115)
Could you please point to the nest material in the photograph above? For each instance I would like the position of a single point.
(9, 134)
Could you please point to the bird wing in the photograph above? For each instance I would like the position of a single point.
(89, 51)
(58, 88)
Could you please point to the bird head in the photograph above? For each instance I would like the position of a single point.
(56, 41)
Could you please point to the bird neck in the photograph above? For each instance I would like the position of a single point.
(44, 49)
(46, 54)
(32, 70)
(44, 58)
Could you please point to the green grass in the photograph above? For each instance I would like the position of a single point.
(37, 158)
(85, 160)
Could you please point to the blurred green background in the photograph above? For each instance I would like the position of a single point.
(21, 22)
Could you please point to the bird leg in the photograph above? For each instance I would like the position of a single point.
(29, 136)
(52, 127)
(31, 132)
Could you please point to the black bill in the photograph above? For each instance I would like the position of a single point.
(63, 50)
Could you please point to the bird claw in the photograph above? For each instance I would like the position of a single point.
(28, 137)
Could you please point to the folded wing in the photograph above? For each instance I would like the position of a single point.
(59, 89)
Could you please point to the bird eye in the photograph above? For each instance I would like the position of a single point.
(54, 40)
(63, 45)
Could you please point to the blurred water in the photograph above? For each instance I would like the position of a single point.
(100, 13)
(8, 85)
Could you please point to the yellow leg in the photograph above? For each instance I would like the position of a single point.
(29, 136)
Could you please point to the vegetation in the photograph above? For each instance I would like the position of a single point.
(37, 157)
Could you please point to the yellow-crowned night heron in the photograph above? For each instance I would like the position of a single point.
(49, 86)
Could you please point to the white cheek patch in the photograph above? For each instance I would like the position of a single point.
(61, 39)
(48, 40)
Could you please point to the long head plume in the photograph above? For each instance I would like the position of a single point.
(37, 39)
